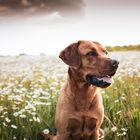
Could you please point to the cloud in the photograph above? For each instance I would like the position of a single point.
(30, 7)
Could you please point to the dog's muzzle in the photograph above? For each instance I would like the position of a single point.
(99, 82)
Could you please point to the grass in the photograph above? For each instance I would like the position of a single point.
(28, 101)
(124, 48)
(122, 107)
(28, 106)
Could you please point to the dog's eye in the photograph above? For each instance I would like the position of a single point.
(106, 52)
(92, 53)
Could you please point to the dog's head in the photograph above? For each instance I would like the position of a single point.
(91, 59)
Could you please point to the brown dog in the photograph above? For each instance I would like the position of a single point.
(80, 112)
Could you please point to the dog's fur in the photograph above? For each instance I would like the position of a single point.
(80, 112)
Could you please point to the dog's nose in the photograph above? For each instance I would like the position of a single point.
(114, 63)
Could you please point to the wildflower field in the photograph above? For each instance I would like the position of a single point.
(30, 86)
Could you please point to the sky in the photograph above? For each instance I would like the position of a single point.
(48, 28)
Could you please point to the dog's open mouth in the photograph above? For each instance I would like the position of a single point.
(102, 82)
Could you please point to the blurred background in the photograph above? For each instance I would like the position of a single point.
(48, 26)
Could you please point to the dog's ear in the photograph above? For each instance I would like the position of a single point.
(70, 55)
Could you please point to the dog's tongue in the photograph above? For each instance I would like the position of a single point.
(106, 79)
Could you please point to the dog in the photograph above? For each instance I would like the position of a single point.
(80, 111)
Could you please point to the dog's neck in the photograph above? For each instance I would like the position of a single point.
(79, 90)
(75, 79)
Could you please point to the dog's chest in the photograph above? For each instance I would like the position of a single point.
(81, 128)
(83, 102)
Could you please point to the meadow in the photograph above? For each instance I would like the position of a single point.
(30, 87)
(124, 48)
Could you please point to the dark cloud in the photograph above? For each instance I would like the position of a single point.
(64, 7)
